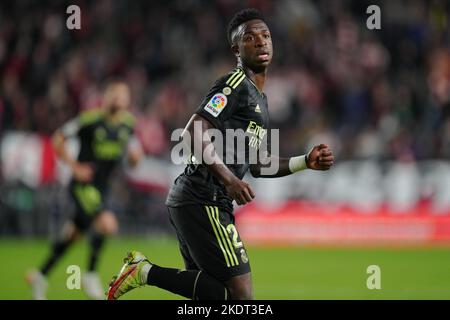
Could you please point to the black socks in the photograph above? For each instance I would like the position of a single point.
(97, 241)
(192, 284)
(59, 247)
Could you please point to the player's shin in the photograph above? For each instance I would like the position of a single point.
(97, 241)
(191, 284)
(58, 249)
(92, 284)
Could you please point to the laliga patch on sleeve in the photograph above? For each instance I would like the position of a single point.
(216, 104)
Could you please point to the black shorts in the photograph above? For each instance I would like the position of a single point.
(209, 241)
(88, 201)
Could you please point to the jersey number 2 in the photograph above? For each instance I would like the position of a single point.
(232, 230)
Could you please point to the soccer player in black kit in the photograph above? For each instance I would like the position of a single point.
(200, 201)
(105, 135)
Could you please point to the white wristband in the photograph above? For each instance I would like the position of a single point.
(297, 163)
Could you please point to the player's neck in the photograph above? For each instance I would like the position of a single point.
(112, 117)
(257, 78)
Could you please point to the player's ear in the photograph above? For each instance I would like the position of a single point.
(235, 50)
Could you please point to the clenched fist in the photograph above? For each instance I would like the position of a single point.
(320, 158)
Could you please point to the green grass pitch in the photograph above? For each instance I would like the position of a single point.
(278, 273)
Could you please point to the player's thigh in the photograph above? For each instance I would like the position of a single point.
(212, 239)
(88, 203)
(189, 262)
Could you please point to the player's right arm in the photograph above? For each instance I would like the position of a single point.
(217, 107)
(81, 172)
(201, 144)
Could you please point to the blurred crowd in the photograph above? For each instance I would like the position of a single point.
(377, 94)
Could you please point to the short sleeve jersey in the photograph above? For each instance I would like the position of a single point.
(102, 143)
(234, 105)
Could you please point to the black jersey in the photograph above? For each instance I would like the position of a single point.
(102, 144)
(233, 103)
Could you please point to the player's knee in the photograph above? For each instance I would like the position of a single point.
(106, 223)
(70, 232)
(240, 287)
(240, 292)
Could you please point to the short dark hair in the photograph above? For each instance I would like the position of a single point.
(240, 18)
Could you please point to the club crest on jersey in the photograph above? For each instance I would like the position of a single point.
(227, 91)
(244, 256)
(216, 104)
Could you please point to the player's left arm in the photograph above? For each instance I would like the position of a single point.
(320, 157)
(134, 151)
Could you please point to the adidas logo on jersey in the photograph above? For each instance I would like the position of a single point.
(257, 109)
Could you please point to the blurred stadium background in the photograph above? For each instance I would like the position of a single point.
(379, 98)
